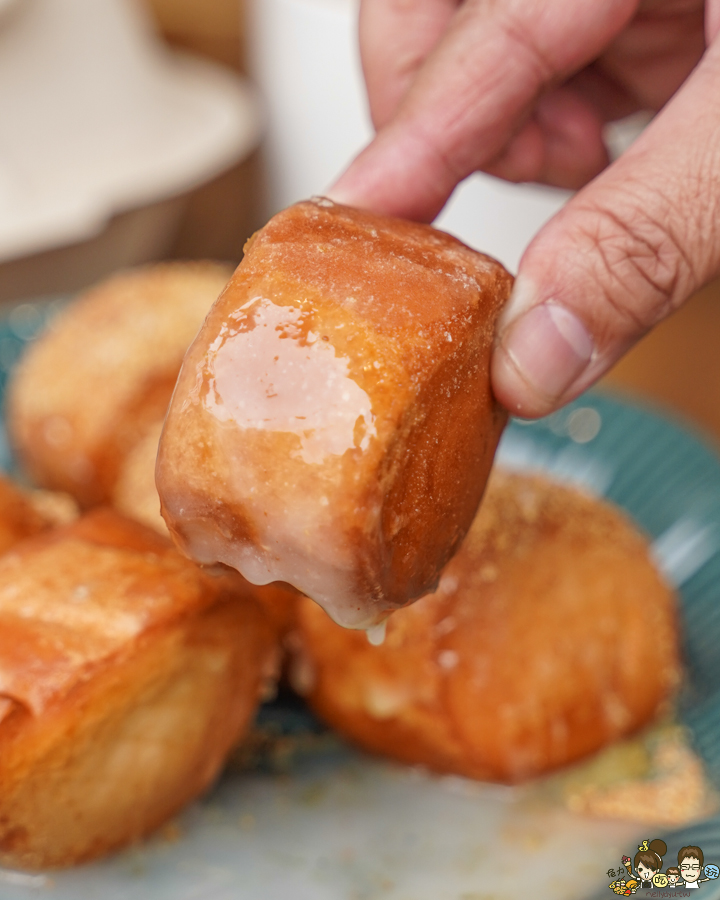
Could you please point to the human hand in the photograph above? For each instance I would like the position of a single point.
(522, 89)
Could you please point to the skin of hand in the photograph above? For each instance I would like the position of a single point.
(522, 89)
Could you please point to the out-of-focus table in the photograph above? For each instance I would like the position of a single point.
(678, 363)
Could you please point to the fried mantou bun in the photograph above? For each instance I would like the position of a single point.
(134, 493)
(333, 423)
(126, 676)
(550, 635)
(104, 371)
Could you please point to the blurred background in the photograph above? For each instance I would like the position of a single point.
(138, 130)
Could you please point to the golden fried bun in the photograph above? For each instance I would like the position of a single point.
(551, 634)
(86, 391)
(126, 676)
(280, 602)
(135, 493)
(333, 423)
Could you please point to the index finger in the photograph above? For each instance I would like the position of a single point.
(471, 94)
(395, 38)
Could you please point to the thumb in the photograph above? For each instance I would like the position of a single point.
(624, 253)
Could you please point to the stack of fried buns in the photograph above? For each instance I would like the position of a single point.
(127, 673)
(333, 426)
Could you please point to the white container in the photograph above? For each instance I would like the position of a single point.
(305, 61)
(99, 119)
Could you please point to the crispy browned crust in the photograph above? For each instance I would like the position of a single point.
(333, 424)
(550, 635)
(87, 390)
(280, 602)
(126, 675)
(134, 493)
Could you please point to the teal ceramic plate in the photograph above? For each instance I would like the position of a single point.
(343, 827)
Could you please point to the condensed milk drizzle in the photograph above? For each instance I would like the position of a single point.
(269, 370)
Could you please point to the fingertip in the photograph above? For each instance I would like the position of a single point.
(338, 193)
(395, 175)
(354, 186)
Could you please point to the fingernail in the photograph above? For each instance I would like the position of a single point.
(549, 347)
(338, 195)
(523, 296)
